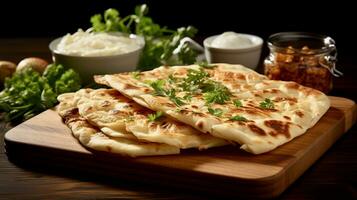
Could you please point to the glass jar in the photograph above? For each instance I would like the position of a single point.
(306, 58)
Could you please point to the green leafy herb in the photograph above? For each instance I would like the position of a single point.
(172, 95)
(187, 97)
(159, 90)
(216, 112)
(267, 104)
(27, 93)
(136, 75)
(238, 118)
(158, 87)
(206, 65)
(194, 80)
(172, 79)
(155, 116)
(237, 103)
(216, 93)
(160, 42)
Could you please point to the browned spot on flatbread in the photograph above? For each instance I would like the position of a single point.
(130, 87)
(146, 90)
(256, 129)
(299, 113)
(253, 110)
(169, 104)
(71, 116)
(165, 125)
(194, 106)
(274, 91)
(310, 92)
(228, 76)
(279, 127)
(114, 93)
(199, 114)
(257, 95)
(200, 124)
(109, 148)
(143, 111)
(293, 85)
(289, 99)
(287, 117)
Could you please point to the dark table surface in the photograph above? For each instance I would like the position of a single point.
(333, 176)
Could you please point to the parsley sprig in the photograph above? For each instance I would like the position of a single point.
(238, 118)
(158, 87)
(159, 90)
(237, 103)
(135, 74)
(197, 81)
(216, 112)
(267, 104)
(155, 116)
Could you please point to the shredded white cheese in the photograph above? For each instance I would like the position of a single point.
(86, 43)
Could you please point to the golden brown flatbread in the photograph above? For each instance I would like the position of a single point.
(228, 101)
(118, 116)
(92, 138)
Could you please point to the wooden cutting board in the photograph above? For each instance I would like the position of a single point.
(224, 170)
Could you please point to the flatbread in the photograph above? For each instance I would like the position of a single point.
(258, 129)
(106, 110)
(118, 116)
(92, 138)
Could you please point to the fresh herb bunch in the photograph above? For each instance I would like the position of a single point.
(27, 93)
(160, 42)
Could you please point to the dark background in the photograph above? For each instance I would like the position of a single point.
(56, 18)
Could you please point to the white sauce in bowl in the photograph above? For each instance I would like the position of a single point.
(86, 43)
(232, 40)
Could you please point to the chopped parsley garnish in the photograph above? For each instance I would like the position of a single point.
(158, 86)
(206, 65)
(159, 90)
(196, 82)
(172, 79)
(172, 95)
(187, 97)
(155, 116)
(216, 93)
(136, 75)
(238, 118)
(237, 103)
(216, 112)
(194, 79)
(267, 104)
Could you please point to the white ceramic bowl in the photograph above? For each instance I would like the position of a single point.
(247, 56)
(87, 66)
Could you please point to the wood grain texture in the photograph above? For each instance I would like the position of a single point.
(238, 173)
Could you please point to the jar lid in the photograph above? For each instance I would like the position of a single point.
(297, 40)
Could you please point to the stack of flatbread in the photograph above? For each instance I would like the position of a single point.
(201, 107)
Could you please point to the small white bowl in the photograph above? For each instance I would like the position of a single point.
(247, 56)
(87, 66)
